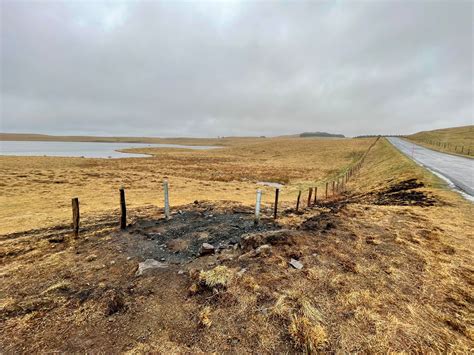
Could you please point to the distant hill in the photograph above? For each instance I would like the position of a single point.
(321, 134)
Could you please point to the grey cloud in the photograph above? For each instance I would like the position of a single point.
(236, 68)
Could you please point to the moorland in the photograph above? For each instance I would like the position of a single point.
(386, 264)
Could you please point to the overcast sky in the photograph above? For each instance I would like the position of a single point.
(175, 68)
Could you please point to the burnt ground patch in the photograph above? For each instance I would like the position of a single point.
(323, 222)
(180, 238)
(403, 193)
(405, 198)
(409, 184)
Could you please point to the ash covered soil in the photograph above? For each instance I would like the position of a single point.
(377, 268)
(179, 239)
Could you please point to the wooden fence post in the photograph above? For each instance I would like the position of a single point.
(298, 201)
(123, 209)
(333, 186)
(275, 210)
(75, 216)
(257, 206)
(167, 201)
(327, 190)
(310, 193)
(315, 195)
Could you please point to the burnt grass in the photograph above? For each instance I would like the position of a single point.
(126, 304)
(179, 239)
(403, 193)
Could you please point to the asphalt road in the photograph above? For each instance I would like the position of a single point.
(458, 170)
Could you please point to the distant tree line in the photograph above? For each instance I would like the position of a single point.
(321, 134)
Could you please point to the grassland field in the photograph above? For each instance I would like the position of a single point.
(387, 264)
(37, 191)
(449, 139)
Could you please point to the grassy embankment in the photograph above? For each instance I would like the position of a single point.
(387, 268)
(36, 191)
(457, 140)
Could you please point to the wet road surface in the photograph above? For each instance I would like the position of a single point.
(459, 170)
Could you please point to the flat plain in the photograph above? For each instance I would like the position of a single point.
(37, 191)
(386, 263)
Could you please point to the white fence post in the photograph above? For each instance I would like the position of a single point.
(167, 202)
(257, 205)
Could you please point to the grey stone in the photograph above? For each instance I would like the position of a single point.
(149, 264)
(296, 264)
(206, 249)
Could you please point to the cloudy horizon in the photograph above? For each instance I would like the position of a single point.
(237, 68)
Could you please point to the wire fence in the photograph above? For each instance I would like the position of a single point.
(328, 189)
(449, 147)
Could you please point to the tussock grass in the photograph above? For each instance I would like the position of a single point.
(303, 319)
(307, 335)
(204, 317)
(220, 276)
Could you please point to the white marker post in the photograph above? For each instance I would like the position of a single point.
(167, 202)
(257, 206)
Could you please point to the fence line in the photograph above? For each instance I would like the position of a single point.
(460, 149)
(341, 180)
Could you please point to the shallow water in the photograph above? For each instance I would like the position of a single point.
(80, 149)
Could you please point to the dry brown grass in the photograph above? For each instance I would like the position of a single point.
(37, 191)
(376, 279)
(452, 137)
(220, 276)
